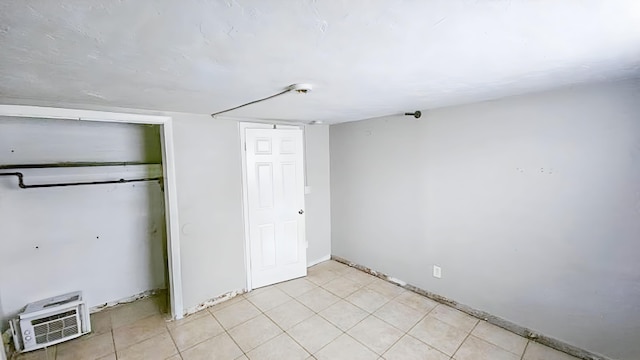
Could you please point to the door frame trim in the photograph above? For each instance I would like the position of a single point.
(242, 127)
(168, 168)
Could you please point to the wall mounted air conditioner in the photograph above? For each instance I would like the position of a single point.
(50, 321)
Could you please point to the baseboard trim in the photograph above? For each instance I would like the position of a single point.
(482, 315)
(318, 261)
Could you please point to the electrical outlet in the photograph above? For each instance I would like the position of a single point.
(437, 271)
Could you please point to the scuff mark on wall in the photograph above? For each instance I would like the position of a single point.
(95, 95)
(437, 23)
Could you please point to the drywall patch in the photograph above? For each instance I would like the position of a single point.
(214, 301)
(482, 315)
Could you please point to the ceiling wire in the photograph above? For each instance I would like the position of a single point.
(252, 102)
(300, 88)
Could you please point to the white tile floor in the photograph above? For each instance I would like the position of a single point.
(336, 312)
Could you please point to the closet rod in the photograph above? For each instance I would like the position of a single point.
(74, 164)
(22, 185)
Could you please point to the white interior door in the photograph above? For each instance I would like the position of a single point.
(275, 194)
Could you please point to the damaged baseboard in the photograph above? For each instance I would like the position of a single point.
(214, 301)
(482, 315)
(230, 295)
(130, 299)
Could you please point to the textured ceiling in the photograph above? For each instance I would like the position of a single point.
(365, 58)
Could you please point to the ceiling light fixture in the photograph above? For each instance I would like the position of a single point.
(299, 88)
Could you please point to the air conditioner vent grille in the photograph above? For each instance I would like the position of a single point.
(55, 327)
(53, 317)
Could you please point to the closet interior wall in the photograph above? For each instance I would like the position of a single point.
(106, 239)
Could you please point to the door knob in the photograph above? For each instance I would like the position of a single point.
(300, 211)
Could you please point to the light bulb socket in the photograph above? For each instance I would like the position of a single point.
(301, 88)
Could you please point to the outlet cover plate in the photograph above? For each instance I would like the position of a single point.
(437, 271)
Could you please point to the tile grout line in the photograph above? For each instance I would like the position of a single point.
(322, 317)
(113, 340)
(383, 304)
(416, 324)
(525, 349)
(207, 339)
(394, 326)
(363, 344)
(356, 324)
(141, 341)
(342, 332)
(235, 326)
(292, 298)
(235, 342)
(490, 342)
(174, 340)
(194, 345)
(465, 339)
(227, 333)
(302, 293)
(325, 345)
(422, 318)
(274, 323)
(287, 333)
(394, 343)
(365, 286)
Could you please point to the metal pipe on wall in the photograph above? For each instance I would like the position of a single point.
(22, 185)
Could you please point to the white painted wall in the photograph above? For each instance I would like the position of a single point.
(106, 240)
(209, 181)
(529, 204)
(209, 189)
(3, 354)
(318, 201)
(32, 141)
